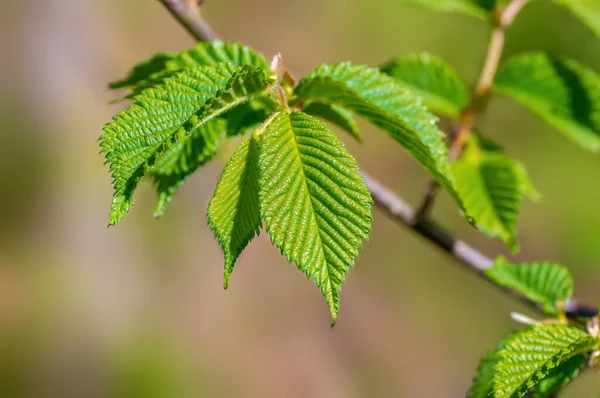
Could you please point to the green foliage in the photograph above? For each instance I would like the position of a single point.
(544, 282)
(315, 205)
(234, 210)
(380, 99)
(155, 70)
(165, 115)
(476, 8)
(491, 185)
(586, 10)
(563, 92)
(183, 158)
(430, 78)
(334, 114)
(559, 376)
(142, 71)
(525, 358)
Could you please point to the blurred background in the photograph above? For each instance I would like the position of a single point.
(138, 310)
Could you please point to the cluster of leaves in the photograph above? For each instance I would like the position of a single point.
(293, 174)
(542, 358)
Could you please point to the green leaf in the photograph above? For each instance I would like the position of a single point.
(562, 92)
(380, 99)
(164, 115)
(543, 356)
(432, 79)
(476, 8)
(247, 117)
(316, 206)
(559, 376)
(234, 210)
(334, 114)
(527, 357)
(154, 71)
(491, 185)
(586, 10)
(144, 70)
(543, 282)
(183, 158)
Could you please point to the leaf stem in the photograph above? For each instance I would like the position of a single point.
(400, 211)
(478, 102)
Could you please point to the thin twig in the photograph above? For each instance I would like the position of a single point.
(187, 13)
(403, 213)
(478, 101)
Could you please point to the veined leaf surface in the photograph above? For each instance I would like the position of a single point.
(316, 206)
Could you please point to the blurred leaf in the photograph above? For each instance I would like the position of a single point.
(154, 71)
(432, 79)
(247, 117)
(334, 114)
(316, 206)
(144, 70)
(380, 99)
(477, 8)
(183, 158)
(491, 185)
(234, 210)
(559, 376)
(586, 10)
(543, 282)
(167, 114)
(563, 92)
(527, 357)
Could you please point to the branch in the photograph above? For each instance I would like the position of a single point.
(389, 202)
(187, 13)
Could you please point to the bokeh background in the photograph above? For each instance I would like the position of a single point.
(138, 310)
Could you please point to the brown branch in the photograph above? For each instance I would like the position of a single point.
(400, 211)
(187, 13)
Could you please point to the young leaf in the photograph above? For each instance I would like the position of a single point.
(563, 92)
(545, 283)
(316, 206)
(527, 357)
(334, 114)
(234, 210)
(476, 8)
(380, 99)
(559, 376)
(432, 79)
(154, 71)
(183, 158)
(144, 70)
(164, 115)
(586, 10)
(491, 185)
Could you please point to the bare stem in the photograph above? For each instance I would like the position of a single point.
(478, 101)
(187, 13)
(394, 206)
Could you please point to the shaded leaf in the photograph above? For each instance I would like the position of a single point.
(234, 210)
(527, 357)
(543, 282)
(559, 376)
(154, 71)
(144, 70)
(432, 79)
(316, 206)
(562, 92)
(334, 114)
(380, 99)
(476, 8)
(183, 158)
(586, 10)
(491, 185)
(167, 114)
